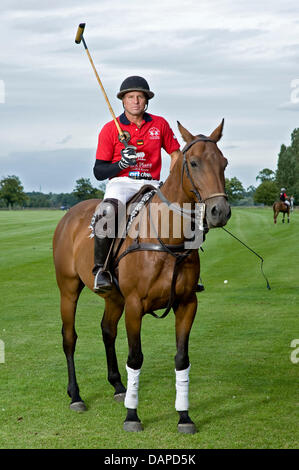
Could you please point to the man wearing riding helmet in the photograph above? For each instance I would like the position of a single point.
(128, 169)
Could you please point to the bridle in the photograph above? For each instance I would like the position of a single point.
(185, 212)
(199, 138)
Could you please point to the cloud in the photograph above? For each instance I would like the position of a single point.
(289, 106)
(204, 60)
(65, 139)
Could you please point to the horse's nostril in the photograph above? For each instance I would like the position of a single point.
(214, 211)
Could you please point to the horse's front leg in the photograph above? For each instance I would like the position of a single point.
(184, 315)
(133, 315)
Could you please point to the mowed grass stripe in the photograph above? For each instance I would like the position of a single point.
(243, 386)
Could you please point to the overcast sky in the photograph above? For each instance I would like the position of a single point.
(204, 59)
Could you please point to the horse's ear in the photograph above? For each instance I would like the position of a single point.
(217, 133)
(187, 136)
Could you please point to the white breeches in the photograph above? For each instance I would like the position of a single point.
(123, 187)
(287, 202)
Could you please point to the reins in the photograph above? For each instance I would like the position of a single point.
(179, 252)
(254, 252)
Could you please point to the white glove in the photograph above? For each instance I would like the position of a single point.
(128, 157)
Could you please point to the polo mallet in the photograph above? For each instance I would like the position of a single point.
(78, 39)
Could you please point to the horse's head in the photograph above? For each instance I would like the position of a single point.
(203, 168)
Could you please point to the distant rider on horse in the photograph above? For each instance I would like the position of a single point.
(128, 169)
(283, 197)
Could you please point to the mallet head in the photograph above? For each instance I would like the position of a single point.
(79, 33)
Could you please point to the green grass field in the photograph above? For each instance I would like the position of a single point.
(243, 384)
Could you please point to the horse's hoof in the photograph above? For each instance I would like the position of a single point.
(119, 397)
(187, 428)
(78, 406)
(132, 426)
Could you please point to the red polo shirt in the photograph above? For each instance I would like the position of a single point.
(153, 135)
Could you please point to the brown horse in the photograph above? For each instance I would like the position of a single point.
(280, 206)
(145, 276)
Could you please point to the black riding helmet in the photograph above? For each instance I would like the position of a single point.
(135, 83)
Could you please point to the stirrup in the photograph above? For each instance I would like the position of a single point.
(105, 287)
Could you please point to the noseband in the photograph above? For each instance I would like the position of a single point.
(199, 138)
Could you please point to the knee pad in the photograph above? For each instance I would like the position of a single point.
(108, 214)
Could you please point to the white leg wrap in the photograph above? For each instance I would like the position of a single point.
(131, 400)
(182, 389)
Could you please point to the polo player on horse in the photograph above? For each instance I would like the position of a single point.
(284, 198)
(128, 169)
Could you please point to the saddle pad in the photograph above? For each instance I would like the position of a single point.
(138, 207)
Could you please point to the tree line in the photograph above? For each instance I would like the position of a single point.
(286, 175)
(12, 194)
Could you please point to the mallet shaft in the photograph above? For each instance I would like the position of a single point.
(104, 93)
(79, 37)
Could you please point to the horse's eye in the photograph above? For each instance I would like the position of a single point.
(193, 163)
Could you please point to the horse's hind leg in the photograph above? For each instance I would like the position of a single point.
(113, 311)
(68, 304)
(184, 313)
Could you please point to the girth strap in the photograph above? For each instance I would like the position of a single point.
(136, 246)
(177, 251)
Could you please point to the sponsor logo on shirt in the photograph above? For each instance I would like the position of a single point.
(144, 174)
(141, 157)
(134, 174)
(145, 165)
(140, 174)
(154, 133)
